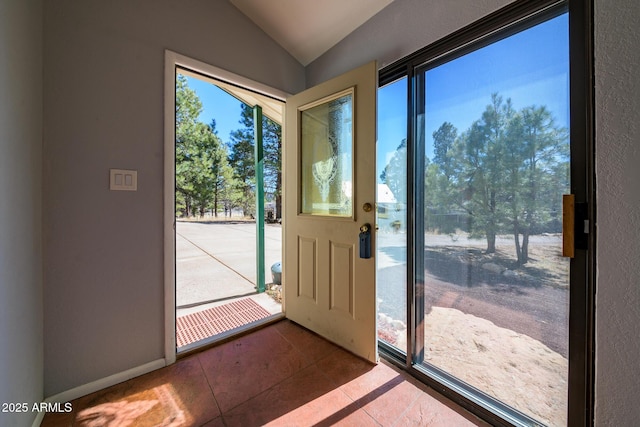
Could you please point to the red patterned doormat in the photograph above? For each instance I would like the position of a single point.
(207, 323)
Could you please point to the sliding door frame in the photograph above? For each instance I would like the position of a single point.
(498, 25)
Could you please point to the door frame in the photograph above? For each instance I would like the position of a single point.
(172, 61)
(582, 280)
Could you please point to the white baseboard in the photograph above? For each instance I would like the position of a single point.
(83, 390)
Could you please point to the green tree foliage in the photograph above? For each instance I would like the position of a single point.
(272, 143)
(443, 140)
(442, 212)
(202, 170)
(504, 175)
(212, 175)
(507, 172)
(395, 173)
(220, 173)
(536, 153)
(188, 107)
(482, 173)
(242, 160)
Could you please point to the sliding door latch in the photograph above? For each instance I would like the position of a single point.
(575, 225)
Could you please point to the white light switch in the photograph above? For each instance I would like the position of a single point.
(123, 180)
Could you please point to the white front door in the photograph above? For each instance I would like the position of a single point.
(329, 173)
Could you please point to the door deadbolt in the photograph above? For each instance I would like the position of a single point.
(367, 207)
(365, 241)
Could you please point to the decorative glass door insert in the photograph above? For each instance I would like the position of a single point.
(326, 154)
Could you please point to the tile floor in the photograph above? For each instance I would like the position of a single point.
(281, 375)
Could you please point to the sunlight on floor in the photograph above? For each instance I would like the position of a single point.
(139, 409)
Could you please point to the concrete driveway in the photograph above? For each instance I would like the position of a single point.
(216, 260)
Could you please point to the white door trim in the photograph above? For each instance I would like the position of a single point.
(171, 61)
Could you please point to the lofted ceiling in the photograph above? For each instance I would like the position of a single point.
(308, 28)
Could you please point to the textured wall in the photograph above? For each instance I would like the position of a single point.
(617, 58)
(104, 108)
(20, 206)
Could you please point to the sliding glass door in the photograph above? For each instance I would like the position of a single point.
(391, 202)
(472, 251)
(495, 305)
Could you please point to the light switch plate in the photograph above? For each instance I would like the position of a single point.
(123, 180)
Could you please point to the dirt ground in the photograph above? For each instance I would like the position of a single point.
(514, 368)
(504, 334)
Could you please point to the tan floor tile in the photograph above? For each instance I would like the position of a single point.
(243, 368)
(177, 395)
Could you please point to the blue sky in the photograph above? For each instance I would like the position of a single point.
(219, 105)
(531, 68)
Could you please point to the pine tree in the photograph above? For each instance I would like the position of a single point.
(188, 108)
(202, 171)
(242, 160)
(507, 171)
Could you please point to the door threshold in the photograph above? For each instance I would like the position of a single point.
(223, 337)
(213, 301)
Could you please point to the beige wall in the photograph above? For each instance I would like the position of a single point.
(104, 108)
(20, 206)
